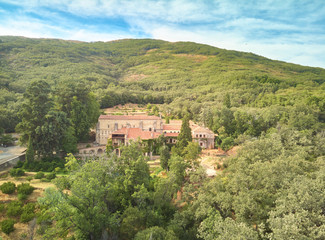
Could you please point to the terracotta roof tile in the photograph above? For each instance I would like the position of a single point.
(134, 133)
(198, 129)
(172, 127)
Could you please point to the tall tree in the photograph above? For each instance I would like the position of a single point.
(34, 109)
(164, 156)
(50, 135)
(80, 105)
(185, 136)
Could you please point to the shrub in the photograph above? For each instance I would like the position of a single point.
(22, 196)
(19, 164)
(26, 217)
(2, 208)
(16, 172)
(8, 187)
(51, 176)
(25, 188)
(28, 212)
(7, 226)
(29, 178)
(14, 209)
(39, 175)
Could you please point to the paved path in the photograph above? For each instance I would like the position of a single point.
(10, 152)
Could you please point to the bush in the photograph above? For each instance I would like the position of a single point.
(25, 188)
(50, 176)
(45, 165)
(19, 164)
(16, 172)
(14, 209)
(227, 143)
(39, 175)
(29, 178)
(7, 226)
(22, 196)
(26, 217)
(2, 208)
(28, 212)
(8, 187)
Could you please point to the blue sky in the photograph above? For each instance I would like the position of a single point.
(287, 30)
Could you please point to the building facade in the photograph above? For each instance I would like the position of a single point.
(107, 124)
(123, 128)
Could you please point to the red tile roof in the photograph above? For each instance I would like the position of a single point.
(198, 129)
(172, 127)
(134, 133)
(129, 117)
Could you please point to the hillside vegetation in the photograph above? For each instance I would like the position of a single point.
(275, 111)
(188, 76)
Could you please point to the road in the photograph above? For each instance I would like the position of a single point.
(10, 152)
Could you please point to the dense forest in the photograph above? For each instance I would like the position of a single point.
(274, 188)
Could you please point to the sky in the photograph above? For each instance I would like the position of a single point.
(286, 30)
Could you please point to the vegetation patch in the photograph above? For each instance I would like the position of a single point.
(7, 226)
(8, 187)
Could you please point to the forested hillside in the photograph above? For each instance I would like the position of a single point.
(274, 111)
(189, 77)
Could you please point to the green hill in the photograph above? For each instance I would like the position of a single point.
(189, 77)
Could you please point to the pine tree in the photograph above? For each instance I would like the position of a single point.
(184, 137)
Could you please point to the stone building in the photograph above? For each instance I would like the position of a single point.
(203, 136)
(107, 124)
(123, 128)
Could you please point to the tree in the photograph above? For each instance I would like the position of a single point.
(164, 156)
(227, 143)
(51, 134)
(109, 146)
(155, 233)
(69, 141)
(215, 228)
(184, 137)
(191, 153)
(100, 191)
(33, 110)
(89, 208)
(80, 105)
(29, 152)
(299, 211)
(6, 139)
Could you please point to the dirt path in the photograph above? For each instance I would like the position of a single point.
(211, 158)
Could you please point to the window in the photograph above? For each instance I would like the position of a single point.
(197, 135)
(204, 135)
(200, 135)
(149, 129)
(108, 126)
